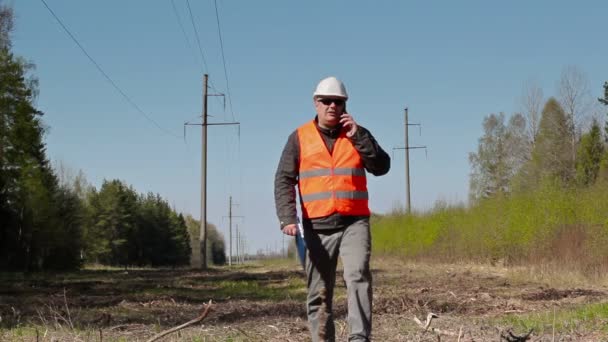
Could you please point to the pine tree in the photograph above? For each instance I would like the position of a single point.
(29, 214)
(552, 153)
(605, 99)
(113, 219)
(589, 156)
(605, 102)
(216, 246)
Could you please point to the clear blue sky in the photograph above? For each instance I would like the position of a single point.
(451, 63)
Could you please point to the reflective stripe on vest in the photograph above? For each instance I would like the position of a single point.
(339, 194)
(343, 171)
(330, 183)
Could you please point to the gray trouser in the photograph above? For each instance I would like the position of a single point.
(353, 244)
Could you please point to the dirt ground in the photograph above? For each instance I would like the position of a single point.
(265, 302)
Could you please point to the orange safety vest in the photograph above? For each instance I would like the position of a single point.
(330, 183)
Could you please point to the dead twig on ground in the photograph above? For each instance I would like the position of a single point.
(426, 326)
(56, 316)
(124, 326)
(43, 321)
(198, 319)
(67, 309)
(429, 319)
(514, 338)
(241, 331)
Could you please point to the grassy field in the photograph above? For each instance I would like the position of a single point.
(265, 302)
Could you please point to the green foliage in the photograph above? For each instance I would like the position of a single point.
(6, 26)
(551, 157)
(216, 247)
(130, 229)
(66, 242)
(113, 217)
(605, 102)
(605, 99)
(50, 221)
(501, 152)
(409, 235)
(537, 214)
(589, 156)
(38, 218)
(551, 225)
(564, 320)
(48, 225)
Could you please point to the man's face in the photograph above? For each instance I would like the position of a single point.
(329, 110)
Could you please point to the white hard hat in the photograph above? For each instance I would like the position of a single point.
(331, 86)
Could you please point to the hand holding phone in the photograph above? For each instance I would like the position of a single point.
(349, 123)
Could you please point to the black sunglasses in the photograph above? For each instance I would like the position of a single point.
(327, 102)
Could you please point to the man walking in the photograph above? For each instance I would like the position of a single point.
(327, 159)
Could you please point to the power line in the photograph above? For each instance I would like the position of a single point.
(181, 26)
(179, 21)
(200, 49)
(219, 31)
(124, 95)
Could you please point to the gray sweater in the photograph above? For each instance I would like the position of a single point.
(375, 160)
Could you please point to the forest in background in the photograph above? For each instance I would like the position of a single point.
(51, 218)
(538, 194)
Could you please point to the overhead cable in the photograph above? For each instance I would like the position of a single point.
(124, 95)
(219, 31)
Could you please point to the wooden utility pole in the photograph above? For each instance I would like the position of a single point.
(204, 124)
(408, 205)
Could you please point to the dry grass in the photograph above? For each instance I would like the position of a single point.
(265, 302)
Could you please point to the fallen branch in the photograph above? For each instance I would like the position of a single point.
(201, 317)
(122, 326)
(514, 338)
(429, 319)
(426, 326)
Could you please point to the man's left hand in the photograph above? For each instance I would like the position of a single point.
(348, 122)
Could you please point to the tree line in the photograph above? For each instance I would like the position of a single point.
(538, 191)
(50, 220)
(562, 143)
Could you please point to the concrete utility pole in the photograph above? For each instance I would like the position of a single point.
(408, 205)
(230, 230)
(238, 243)
(204, 124)
(203, 233)
(242, 247)
(230, 216)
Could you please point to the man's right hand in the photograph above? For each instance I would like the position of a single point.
(290, 229)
